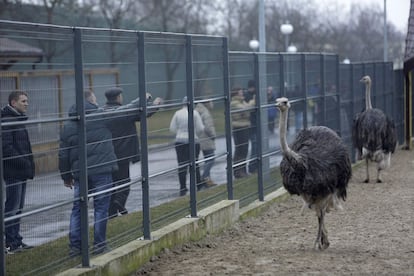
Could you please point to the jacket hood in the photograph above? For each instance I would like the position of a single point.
(12, 114)
(89, 108)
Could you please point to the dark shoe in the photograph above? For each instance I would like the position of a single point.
(7, 251)
(240, 174)
(201, 186)
(19, 248)
(26, 246)
(73, 252)
(123, 211)
(183, 192)
(101, 250)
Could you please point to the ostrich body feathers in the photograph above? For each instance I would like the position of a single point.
(373, 133)
(323, 166)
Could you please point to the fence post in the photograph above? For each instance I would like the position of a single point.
(83, 175)
(191, 130)
(305, 90)
(2, 195)
(227, 112)
(258, 59)
(142, 90)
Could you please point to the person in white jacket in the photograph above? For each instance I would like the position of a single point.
(179, 126)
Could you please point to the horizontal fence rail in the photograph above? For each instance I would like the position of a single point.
(55, 65)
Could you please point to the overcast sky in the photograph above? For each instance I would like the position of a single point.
(397, 10)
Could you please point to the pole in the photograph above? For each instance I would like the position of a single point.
(262, 32)
(385, 33)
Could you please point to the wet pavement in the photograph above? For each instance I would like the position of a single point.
(48, 189)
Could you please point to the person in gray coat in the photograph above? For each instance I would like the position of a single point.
(207, 141)
(101, 162)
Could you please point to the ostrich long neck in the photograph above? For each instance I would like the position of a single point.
(368, 104)
(282, 134)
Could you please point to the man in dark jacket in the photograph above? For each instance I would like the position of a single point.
(126, 145)
(18, 166)
(101, 161)
(251, 92)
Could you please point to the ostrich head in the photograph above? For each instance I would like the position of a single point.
(366, 79)
(283, 104)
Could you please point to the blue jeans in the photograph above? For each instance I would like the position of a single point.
(208, 164)
(253, 152)
(15, 195)
(97, 183)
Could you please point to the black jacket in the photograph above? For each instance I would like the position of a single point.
(124, 135)
(17, 151)
(99, 150)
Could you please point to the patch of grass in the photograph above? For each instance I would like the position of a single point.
(53, 257)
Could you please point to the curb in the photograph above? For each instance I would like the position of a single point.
(214, 219)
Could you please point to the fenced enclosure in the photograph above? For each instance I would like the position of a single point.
(322, 92)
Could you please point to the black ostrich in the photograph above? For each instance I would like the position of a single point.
(373, 134)
(316, 167)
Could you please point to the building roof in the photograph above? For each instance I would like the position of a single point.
(12, 51)
(409, 42)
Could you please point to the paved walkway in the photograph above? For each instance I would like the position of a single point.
(48, 189)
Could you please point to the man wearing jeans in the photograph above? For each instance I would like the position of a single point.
(18, 166)
(101, 161)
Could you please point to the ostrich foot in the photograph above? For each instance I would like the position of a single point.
(324, 242)
(321, 244)
(379, 180)
(366, 180)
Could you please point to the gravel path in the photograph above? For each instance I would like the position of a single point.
(373, 235)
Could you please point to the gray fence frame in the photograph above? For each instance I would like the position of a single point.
(278, 69)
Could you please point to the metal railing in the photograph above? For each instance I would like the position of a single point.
(322, 92)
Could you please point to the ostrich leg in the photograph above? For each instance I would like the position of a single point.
(321, 241)
(318, 236)
(324, 235)
(367, 170)
(379, 179)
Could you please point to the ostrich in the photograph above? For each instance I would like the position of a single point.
(316, 167)
(373, 134)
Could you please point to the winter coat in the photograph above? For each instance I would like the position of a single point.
(179, 125)
(17, 151)
(207, 138)
(100, 153)
(241, 119)
(125, 138)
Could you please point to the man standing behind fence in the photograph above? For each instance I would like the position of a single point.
(126, 146)
(18, 166)
(179, 126)
(207, 141)
(250, 95)
(101, 162)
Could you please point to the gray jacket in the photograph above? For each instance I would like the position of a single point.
(100, 154)
(207, 138)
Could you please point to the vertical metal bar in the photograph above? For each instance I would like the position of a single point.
(191, 130)
(2, 195)
(304, 88)
(142, 90)
(323, 85)
(83, 164)
(227, 112)
(282, 76)
(259, 138)
(353, 99)
(338, 95)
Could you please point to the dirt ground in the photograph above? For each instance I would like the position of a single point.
(373, 235)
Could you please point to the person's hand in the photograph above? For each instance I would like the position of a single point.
(148, 96)
(157, 101)
(68, 183)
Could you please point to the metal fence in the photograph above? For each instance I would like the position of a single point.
(171, 66)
